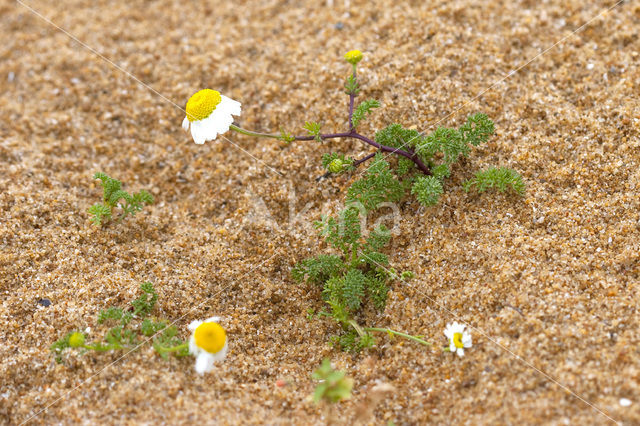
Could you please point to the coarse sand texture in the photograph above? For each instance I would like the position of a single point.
(548, 283)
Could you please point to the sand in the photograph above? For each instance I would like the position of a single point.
(549, 282)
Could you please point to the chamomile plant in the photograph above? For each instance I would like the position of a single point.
(132, 326)
(421, 161)
(403, 161)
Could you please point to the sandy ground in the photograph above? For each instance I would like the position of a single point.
(550, 282)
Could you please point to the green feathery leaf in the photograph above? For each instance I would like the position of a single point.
(313, 129)
(500, 178)
(363, 110)
(427, 190)
(477, 129)
(317, 269)
(378, 185)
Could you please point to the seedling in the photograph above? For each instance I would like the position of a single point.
(130, 326)
(113, 196)
(334, 386)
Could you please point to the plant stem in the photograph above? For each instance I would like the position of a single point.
(361, 330)
(176, 348)
(352, 98)
(353, 134)
(363, 159)
(397, 333)
(409, 153)
(250, 133)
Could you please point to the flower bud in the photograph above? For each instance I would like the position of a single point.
(336, 166)
(76, 339)
(353, 56)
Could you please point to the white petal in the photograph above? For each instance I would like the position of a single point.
(448, 332)
(185, 124)
(194, 325)
(193, 348)
(229, 105)
(460, 352)
(220, 120)
(452, 347)
(222, 354)
(198, 132)
(204, 362)
(466, 340)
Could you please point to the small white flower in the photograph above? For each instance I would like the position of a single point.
(458, 338)
(208, 343)
(624, 402)
(210, 114)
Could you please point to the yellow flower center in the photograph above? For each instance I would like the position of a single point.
(202, 104)
(353, 56)
(210, 336)
(457, 340)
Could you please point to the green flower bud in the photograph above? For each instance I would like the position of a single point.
(76, 339)
(336, 166)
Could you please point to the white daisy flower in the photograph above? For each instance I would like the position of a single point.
(458, 338)
(208, 343)
(210, 114)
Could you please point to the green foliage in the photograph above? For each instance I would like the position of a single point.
(313, 129)
(116, 314)
(100, 213)
(500, 178)
(378, 238)
(356, 276)
(452, 143)
(150, 327)
(112, 194)
(317, 269)
(286, 136)
(331, 160)
(439, 149)
(353, 342)
(343, 232)
(132, 323)
(407, 275)
(427, 190)
(346, 291)
(441, 172)
(359, 275)
(168, 342)
(449, 142)
(377, 289)
(404, 166)
(397, 136)
(144, 304)
(334, 386)
(363, 110)
(377, 186)
(352, 87)
(60, 345)
(477, 129)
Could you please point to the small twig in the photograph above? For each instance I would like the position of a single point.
(514, 308)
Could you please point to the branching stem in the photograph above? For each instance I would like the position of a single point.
(409, 153)
(355, 135)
